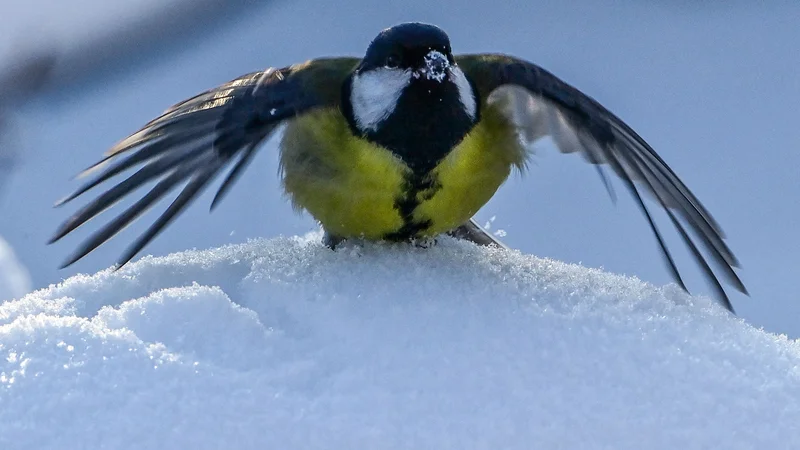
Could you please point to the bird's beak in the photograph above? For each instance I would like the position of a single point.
(434, 68)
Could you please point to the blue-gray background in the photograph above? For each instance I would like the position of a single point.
(713, 86)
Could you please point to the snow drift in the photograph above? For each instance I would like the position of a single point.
(285, 344)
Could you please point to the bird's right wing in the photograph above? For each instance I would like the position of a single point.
(540, 104)
(195, 140)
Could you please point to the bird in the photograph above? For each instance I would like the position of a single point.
(403, 144)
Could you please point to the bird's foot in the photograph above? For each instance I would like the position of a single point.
(423, 242)
(331, 240)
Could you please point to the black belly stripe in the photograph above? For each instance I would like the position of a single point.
(417, 185)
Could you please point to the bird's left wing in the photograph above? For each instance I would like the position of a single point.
(195, 140)
(540, 104)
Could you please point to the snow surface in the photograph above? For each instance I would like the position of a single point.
(285, 344)
(14, 278)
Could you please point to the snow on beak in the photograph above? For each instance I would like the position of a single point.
(435, 68)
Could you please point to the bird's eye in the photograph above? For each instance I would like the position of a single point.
(393, 61)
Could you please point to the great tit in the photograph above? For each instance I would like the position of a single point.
(403, 144)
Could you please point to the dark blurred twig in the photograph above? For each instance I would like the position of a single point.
(57, 71)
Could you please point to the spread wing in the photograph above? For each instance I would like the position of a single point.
(540, 104)
(197, 139)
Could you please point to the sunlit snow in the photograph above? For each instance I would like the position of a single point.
(285, 344)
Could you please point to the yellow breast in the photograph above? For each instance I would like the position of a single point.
(471, 173)
(352, 186)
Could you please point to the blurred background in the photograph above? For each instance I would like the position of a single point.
(713, 86)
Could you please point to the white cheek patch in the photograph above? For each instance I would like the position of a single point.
(374, 95)
(465, 92)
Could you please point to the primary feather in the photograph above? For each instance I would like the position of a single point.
(190, 144)
(540, 104)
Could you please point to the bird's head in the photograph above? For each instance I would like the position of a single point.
(412, 59)
(416, 50)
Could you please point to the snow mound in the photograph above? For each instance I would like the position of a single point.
(285, 344)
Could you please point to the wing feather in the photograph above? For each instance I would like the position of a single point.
(194, 141)
(540, 104)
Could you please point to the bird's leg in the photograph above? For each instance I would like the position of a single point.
(331, 240)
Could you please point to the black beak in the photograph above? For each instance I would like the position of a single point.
(435, 67)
